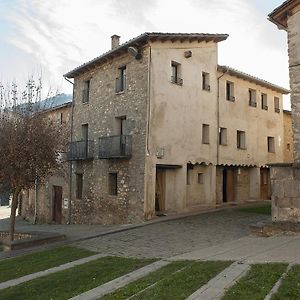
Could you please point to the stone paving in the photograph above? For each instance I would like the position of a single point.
(171, 238)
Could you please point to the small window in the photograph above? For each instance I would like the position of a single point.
(113, 184)
(121, 80)
(86, 91)
(223, 136)
(271, 144)
(61, 118)
(252, 98)
(79, 186)
(264, 101)
(176, 73)
(200, 178)
(230, 91)
(288, 146)
(241, 139)
(205, 134)
(205, 81)
(276, 105)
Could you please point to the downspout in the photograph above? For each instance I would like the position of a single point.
(218, 117)
(148, 102)
(35, 200)
(70, 162)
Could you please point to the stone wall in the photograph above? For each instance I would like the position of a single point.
(285, 193)
(288, 144)
(96, 205)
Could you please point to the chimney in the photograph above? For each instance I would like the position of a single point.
(115, 41)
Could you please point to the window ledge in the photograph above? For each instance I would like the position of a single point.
(241, 148)
(120, 93)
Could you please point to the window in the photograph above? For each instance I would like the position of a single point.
(288, 146)
(276, 105)
(205, 134)
(223, 136)
(252, 98)
(61, 118)
(79, 186)
(86, 91)
(271, 144)
(264, 101)
(205, 81)
(113, 184)
(241, 139)
(230, 91)
(176, 73)
(121, 80)
(200, 178)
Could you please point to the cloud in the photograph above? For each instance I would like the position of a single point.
(62, 34)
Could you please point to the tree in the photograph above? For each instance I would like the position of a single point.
(29, 143)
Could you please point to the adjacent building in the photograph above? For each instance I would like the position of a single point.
(286, 177)
(45, 203)
(159, 127)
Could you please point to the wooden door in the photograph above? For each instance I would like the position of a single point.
(264, 183)
(160, 191)
(57, 203)
(228, 185)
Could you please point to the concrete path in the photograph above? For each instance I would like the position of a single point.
(217, 286)
(63, 267)
(117, 283)
(251, 250)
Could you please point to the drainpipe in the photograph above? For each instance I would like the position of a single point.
(218, 116)
(35, 200)
(70, 163)
(148, 102)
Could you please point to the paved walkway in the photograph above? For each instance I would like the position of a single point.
(218, 285)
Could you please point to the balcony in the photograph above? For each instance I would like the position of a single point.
(118, 146)
(81, 150)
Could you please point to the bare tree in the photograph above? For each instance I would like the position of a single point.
(29, 143)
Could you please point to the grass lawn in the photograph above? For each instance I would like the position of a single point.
(262, 209)
(143, 283)
(38, 261)
(257, 283)
(169, 284)
(290, 288)
(69, 283)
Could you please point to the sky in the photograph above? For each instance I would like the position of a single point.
(51, 37)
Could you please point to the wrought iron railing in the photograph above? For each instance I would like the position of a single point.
(252, 103)
(118, 146)
(81, 150)
(176, 80)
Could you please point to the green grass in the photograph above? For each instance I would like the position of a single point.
(38, 261)
(257, 283)
(174, 285)
(143, 283)
(69, 283)
(290, 288)
(262, 209)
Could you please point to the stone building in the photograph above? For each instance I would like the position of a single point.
(45, 203)
(288, 144)
(159, 127)
(286, 177)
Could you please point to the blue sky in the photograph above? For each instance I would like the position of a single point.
(53, 37)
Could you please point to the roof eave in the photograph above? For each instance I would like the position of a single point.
(140, 41)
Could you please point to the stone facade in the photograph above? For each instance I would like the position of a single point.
(285, 177)
(288, 144)
(100, 113)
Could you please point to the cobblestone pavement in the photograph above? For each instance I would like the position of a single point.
(170, 238)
